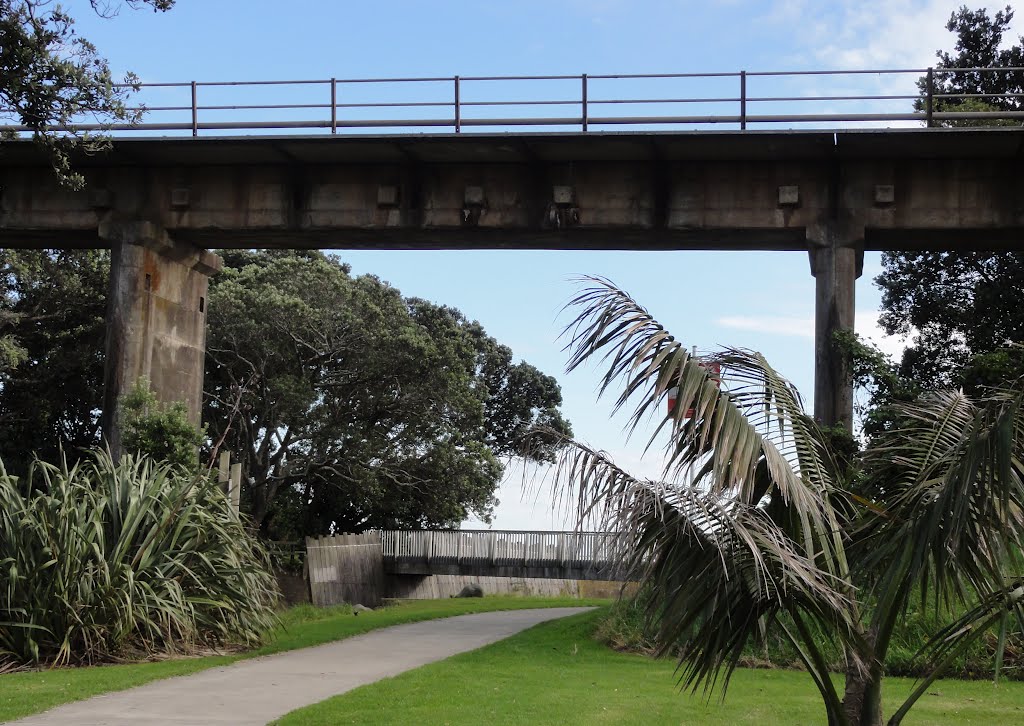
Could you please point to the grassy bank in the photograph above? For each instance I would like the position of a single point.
(31, 692)
(556, 673)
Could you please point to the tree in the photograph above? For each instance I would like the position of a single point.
(978, 45)
(52, 310)
(960, 304)
(51, 78)
(759, 527)
(351, 407)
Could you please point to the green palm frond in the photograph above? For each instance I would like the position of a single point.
(757, 419)
(721, 567)
(953, 490)
(994, 608)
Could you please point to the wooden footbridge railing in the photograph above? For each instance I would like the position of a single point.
(502, 553)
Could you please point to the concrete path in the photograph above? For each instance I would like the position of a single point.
(256, 691)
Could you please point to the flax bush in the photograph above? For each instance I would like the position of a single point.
(105, 561)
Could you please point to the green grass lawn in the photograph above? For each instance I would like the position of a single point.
(30, 692)
(556, 673)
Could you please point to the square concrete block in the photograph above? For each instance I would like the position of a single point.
(179, 198)
(387, 195)
(474, 197)
(563, 195)
(789, 196)
(885, 194)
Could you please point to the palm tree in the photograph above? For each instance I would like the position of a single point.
(762, 526)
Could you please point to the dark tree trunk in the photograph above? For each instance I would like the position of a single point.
(862, 700)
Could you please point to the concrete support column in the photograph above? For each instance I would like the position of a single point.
(156, 319)
(836, 269)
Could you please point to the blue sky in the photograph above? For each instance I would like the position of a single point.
(758, 300)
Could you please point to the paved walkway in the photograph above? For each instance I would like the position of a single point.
(256, 691)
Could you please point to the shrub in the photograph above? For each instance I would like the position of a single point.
(163, 432)
(108, 561)
(626, 627)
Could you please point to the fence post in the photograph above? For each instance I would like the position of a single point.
(236, 488)
(224, 472)
(458, 109)
(334, 106)
(929, 97)
(195, 111)
(743, 100)
(585, 113)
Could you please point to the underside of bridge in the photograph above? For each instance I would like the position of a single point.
(158, 203)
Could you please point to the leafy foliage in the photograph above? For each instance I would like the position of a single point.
(978, 45)
(625, 627)
(351, 407)
(963, 303)
(52, 310)
(103, 560)
(959, 303)
(161, 432)
(359, 377)
(51, 78)
(765, 523)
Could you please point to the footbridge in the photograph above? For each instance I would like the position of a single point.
(586, 162)
(502, 553)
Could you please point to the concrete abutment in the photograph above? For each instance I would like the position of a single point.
(156, 319)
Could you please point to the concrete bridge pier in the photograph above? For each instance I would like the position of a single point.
(156, 318)
(836, 267)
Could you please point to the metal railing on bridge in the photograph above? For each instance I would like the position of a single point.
(438, 550)
(741, 99)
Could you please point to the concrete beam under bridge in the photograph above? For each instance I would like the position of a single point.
(833, 194)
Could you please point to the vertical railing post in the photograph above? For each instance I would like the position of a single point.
(458, 109)
(929, 97)
(195, 111)
(583, 78)
(743, 100)
(334, 106)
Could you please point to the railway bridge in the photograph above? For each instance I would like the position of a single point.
(654, 183)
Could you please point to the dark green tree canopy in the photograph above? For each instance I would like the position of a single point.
(52, 311)
(52, 78)
(348, 405)
(352, 407)
(960, 304)
(979, 44)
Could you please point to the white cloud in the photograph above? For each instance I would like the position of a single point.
(866, 324)
(802, 327)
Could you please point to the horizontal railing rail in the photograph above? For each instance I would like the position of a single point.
(465, 102)
(502, 548)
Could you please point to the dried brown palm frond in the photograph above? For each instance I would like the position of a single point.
(756, 420)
